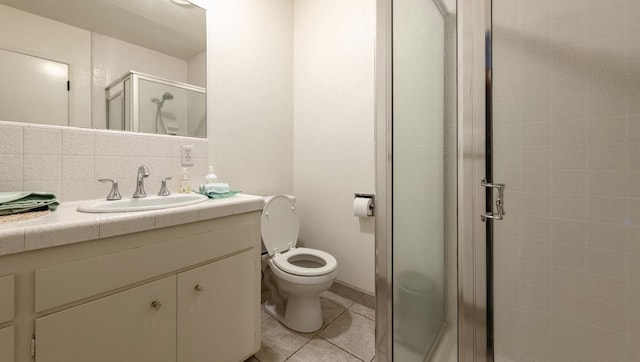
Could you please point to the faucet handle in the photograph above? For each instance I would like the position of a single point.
(114, 194)
(164, 191)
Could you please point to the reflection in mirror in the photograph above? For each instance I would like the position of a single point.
(63, 55)
(143, 103)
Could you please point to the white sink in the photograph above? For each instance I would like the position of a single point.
(143, 204)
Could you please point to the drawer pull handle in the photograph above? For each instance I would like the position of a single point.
(199, 288)
(156, 304)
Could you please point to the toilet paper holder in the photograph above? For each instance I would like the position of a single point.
(368, 196)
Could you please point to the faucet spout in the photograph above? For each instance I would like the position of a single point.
(143, 171)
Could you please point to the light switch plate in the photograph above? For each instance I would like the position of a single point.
(186, 155)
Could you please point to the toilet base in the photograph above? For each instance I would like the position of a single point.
(302, 313)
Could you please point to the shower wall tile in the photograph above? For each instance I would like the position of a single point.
(586, 133)
(69, 161)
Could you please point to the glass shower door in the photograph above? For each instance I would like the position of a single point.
(566, 142)
(424, 176)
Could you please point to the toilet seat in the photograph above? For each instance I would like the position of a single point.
(279, 225)
(282, 262)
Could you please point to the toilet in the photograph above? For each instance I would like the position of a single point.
(300, 274)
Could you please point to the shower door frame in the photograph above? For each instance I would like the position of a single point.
(475, 263)
(474, 314)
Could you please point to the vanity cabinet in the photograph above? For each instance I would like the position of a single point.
(138, 324)
(186, 293)
(6, 344)
(215, 310)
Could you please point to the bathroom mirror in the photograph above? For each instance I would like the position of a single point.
(134, 65)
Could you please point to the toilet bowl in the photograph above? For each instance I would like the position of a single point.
(300, 274)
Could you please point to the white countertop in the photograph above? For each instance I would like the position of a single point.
(67, 226)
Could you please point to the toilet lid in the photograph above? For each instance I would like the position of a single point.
(283, 263)
(280, 224)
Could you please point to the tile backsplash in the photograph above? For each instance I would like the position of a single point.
(69, 161)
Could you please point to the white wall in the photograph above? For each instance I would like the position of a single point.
(40, 37)
(334, 130)
(250, 94)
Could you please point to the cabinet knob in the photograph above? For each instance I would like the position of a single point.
(198, 288)
(156, 304)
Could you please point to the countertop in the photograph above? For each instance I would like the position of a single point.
(68, 226)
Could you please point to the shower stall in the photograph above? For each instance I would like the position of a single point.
(143, 103)
(508, 180)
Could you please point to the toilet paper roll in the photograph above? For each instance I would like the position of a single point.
(362, 207)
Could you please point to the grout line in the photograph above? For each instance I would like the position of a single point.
(340, 348)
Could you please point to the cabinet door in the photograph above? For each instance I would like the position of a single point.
(6, 344)
(217, 310)
(135, 325)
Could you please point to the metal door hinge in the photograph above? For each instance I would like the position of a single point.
(33, 346)
(499, 215)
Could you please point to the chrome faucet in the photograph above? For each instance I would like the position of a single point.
(143, 171)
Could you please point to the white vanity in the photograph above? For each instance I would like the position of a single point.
(179, 284)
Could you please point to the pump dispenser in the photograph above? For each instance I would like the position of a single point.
(211, 177)
(185, 182)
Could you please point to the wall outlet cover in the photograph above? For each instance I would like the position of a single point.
(186, 155)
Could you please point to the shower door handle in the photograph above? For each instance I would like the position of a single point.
(499, 215)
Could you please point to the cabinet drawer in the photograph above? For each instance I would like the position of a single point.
(6, 344)
(7, 298)
(66, 283)
(136, 325)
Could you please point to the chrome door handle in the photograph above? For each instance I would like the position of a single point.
(499, 215)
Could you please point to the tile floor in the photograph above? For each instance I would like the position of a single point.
(348, 335)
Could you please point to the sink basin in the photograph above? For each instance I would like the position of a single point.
(143, 204)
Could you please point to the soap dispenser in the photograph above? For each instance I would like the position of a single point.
(211, 177)
(185, 183)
